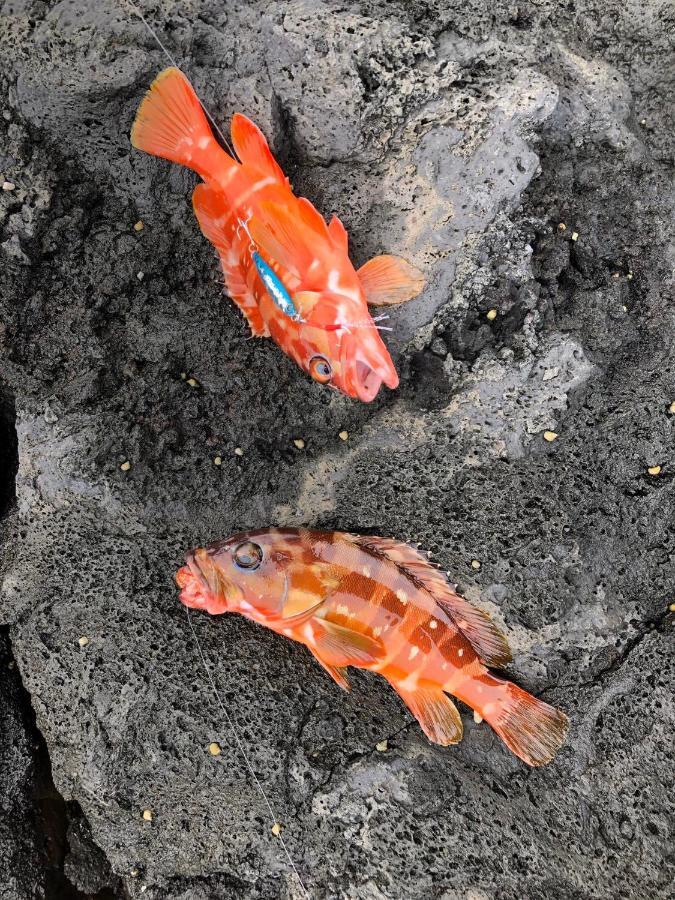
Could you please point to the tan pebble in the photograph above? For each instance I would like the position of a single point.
(616, 275)
(477, 717)
(217, 460)
(126, 465)
(671, 408)
(654, 470)
(550, 436)
(276, 829)
(214, 749)
(8, 186)
(382, 746)
(475, 564)
(299, 443)
(193, 382)
(344, 435)
(643, 122)
(139, 226)
(491, 315)
(562, 226)
(672, 607)
(238, 451)
(183, 375)
(140, 275)
(629, 276)
(134, 873)
(83, 641)
(575, 235)
(147, 815)
(624, 308)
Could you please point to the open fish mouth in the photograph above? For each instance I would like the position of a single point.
(367, 382)
(197, 591)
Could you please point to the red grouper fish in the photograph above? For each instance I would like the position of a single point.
(376, 604)
(287, 271)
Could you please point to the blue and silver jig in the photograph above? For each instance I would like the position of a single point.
(274, 286)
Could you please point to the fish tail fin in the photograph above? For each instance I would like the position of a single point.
(530, 728)
(171, 123)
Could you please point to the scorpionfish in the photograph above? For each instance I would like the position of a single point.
(376, 604)
(286, 269)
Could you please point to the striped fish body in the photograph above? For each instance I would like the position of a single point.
(378, 605)
(245, 207)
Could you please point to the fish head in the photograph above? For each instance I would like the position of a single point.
(240, 574)
(338, 344)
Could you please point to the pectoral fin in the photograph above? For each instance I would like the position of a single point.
(337, 646)
(389, 280)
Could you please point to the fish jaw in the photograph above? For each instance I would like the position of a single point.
(202, 585)
(367, 366)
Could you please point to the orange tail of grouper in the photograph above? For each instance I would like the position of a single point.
(376, 604)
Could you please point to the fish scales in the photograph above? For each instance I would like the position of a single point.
(379, 605)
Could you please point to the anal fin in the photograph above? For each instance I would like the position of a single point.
(437, 714)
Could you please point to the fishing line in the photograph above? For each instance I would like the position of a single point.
(235, 734)
(173, 62)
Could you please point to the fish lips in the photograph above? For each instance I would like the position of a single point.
(367, 365)
(202, 585)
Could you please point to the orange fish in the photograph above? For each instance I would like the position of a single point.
(376, 604)
(287, 271)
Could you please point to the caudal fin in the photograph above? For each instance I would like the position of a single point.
(530, 728)
(171, 123)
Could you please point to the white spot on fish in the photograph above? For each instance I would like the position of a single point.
(433, 624)
(342, 609)
(377, 631)
(402, 596)
(460, 652)
(410, 683)
(414, 650)
(203, 143)
(308, 631)
(366, 571)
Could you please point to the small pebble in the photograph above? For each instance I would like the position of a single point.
(575, 235)
(8, 186)
(238, 451)
(475, 564)
(83, 641)
(147, 815)
(140, 275)
(643, 122)
(550, 436)
(193, 382)
(134, 873)
(624, 308)
(125, 466)
(382, 746)
(276, 829)
(671, 408)
(299, 443)
(217, 460)
(214, 749)
(491, 315)
(183, 375)
(562, 227)
(616, 275)
(654, 470)
(477, 717)
(344, 435)
(10, 664)
(139, 225)
(672, 607)
(629, 277)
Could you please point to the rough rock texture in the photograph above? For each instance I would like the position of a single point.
(521, 154)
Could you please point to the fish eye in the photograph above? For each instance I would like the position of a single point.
(320, 369)
(247, 556)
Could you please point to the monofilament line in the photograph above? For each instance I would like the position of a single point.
(233, 728)
(173, 62)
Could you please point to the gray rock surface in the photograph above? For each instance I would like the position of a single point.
(522, 155)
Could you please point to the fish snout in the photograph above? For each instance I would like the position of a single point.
(369, 366)
(201, 588)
